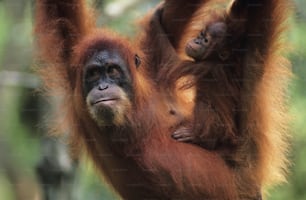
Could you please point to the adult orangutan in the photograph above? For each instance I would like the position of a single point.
(115, 99)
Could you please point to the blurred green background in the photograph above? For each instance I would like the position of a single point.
(24, 147)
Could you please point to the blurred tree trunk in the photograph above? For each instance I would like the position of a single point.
(23, 187)
(56, 171)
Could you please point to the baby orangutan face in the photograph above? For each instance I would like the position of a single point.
(209, 40)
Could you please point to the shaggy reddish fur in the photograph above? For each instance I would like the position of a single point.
(153, 165)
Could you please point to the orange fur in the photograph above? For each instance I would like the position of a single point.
(263, 126)
(127, 167)
(150, 164)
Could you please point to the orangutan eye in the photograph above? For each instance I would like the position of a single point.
(93, 74)
(114, 72)
(137, 61)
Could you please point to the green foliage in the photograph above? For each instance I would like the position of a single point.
(5, 188)
(3, 33)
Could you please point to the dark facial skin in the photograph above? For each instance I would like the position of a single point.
(210, 40)
(104, 70)
(107, 85)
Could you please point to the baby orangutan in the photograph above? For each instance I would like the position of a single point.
(209, 51)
